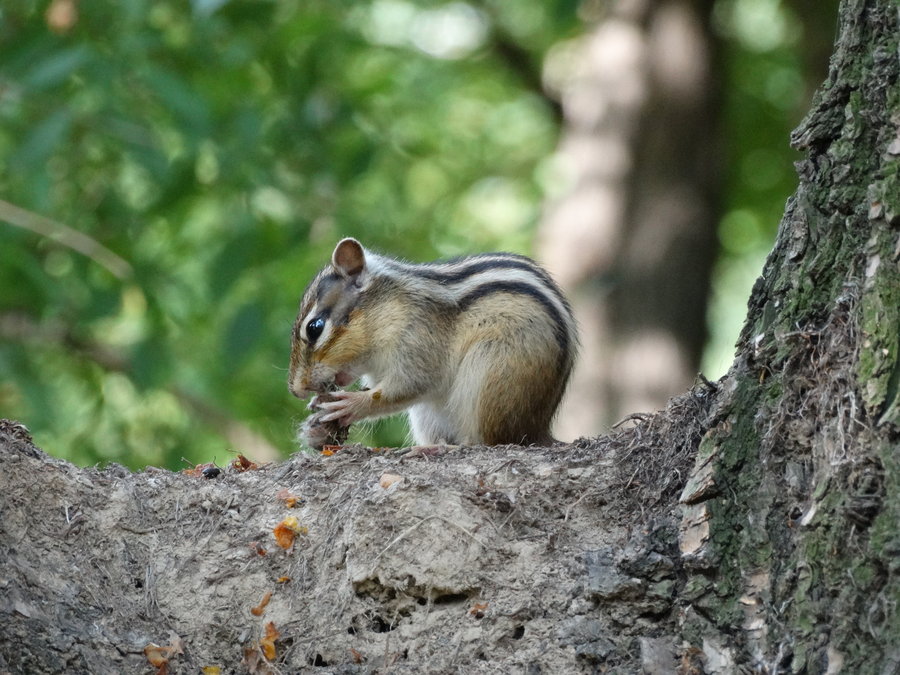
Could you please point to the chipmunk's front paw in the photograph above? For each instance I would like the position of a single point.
(316, 433)
(346, 407)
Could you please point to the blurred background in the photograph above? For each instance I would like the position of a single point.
(172, 174)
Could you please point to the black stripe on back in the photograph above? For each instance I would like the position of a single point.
(560, 325)
(477, 265)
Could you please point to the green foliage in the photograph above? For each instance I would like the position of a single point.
(773, 58)
(217, 149)
(221, 148)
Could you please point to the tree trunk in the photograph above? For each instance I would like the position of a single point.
(633, 241)
(779, 551)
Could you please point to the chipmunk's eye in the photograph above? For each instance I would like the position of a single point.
(314, 329)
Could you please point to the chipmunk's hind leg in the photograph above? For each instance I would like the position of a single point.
(512, 371)
(498, 399)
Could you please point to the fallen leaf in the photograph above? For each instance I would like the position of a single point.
(241, 463)
(211, 670)
(287, 530)
(290, 499)
(267, 644)
(157, 656)
(284, 536)
(357, 656)
(283, 580)
(261, 607)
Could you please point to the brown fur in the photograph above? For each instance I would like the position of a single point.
(520, 389)
(493, 372)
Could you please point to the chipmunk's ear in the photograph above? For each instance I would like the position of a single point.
(349, 259)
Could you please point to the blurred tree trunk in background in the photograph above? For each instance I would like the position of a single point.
(634, 240)
(632, 236)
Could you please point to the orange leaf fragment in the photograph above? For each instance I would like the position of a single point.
(477, 609)
(267, 644)
(159, 656)
(289, 498)
(156, 655)
(282, 580)
(284, 536)
(241, 463)
(287, 530)
(261, 607)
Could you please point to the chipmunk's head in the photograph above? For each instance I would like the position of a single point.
(326, 342)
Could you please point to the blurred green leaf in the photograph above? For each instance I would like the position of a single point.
(42, 140)
(55, 68)
(177, 97)
(150, 363)
(242, 334)
(222, 147)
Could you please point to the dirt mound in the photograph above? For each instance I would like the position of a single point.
(484, 559)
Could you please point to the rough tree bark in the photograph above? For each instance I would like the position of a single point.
(750, 527)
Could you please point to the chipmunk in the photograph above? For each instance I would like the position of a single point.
(478, 349)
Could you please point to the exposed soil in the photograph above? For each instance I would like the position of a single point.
(503, 559)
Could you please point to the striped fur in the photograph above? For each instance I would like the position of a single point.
(436, 338)
(462, 281)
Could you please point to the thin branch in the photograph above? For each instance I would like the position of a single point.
(523, 65)
(67, 236)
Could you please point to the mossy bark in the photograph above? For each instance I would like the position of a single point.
(803, 547)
